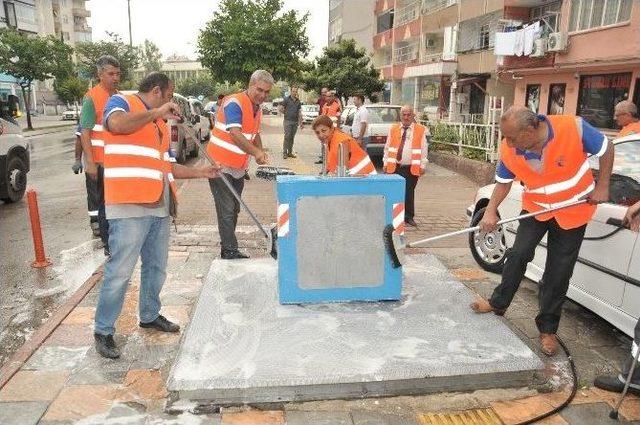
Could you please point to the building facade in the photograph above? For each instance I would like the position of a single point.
(352, 19)
(587, 62)
(66, 19)
(177, 68)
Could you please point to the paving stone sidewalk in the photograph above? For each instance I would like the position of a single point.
(65, 381)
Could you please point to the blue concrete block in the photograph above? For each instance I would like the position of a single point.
(330, 238)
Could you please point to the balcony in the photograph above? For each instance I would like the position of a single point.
(83, 13)
(406, 53)
(82, 28)
(433, 6)
(406, 14)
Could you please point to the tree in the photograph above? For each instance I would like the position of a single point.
(30, 59)
(89, 52)
(246, 35)
(71, 90)
(203, 85)
(150, 56)
(346, 69)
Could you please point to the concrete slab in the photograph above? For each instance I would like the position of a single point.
(242, 346)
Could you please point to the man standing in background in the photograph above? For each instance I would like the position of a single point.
(291, 108)
(360, 122)
(92, 139)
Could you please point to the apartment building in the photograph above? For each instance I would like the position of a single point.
(438, 55)
(586, 61)
(66, 19)
(352, 19)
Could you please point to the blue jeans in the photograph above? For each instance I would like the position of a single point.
(129, 238)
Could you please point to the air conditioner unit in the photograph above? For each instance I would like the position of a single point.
(557, 42)
(539, 48)
(429, 42)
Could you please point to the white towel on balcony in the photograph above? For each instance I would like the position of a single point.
(505, 44)
(530, 35)
(518, 50)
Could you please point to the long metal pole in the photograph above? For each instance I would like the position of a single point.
(129, 12)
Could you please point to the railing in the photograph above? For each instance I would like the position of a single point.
(481, 138)
(406, 53)
(431, 6)
(407, 14)
(433, 57)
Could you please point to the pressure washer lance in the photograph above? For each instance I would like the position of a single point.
(270, 235)
(614, 413)
(396, 243)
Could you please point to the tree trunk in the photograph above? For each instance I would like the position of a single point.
(26, 94)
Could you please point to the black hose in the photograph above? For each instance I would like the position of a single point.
(599, 238)
(574, 389)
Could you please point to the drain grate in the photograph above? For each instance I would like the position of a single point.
(465, 417)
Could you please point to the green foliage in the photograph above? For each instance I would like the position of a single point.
(71, 89)
(89, 52)
(150, 56)
(207, 87)
(346, 69)
(246, 35)
(32, 58)
(442, 132)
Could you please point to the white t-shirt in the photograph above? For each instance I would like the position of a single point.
(361, 115)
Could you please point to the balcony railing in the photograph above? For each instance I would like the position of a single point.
(406, 53)
(407, 14)
(433, 57)
(431, 6)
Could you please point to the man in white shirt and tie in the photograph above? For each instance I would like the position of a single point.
(405, 154)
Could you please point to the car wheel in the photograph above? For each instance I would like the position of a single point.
(16, 180)
(488, 249)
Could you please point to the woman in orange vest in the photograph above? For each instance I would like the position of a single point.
(140, 197)
(358, 162)
(549, 155)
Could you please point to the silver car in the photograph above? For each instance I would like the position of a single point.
(381, 118)
(183, 134)
(606, 278)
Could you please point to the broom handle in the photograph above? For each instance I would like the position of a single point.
(501, 222)
(233, 191)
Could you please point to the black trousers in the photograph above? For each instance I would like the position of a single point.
(563, 247)
(411, 182)
(227, 210)
(290, 130)
(95, 204)
(93, 198)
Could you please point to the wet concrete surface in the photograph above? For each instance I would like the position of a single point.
(29, 296)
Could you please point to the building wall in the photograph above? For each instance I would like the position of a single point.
(358, 22)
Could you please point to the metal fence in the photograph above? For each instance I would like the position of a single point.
(481, 138)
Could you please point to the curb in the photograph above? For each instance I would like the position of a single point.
(482, 173)
(48, 129)
(20, 357)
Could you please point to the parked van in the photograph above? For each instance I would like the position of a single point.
(14, 155)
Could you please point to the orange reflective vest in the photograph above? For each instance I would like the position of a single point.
(565, 176)
(391, 159)
(221, 147)
(135, 165)
(99, 96)
(332, 111)
(631, 128)
(358, 161)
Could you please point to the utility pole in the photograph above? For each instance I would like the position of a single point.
(129, 12)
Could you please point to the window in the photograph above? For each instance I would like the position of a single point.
(10, 13)
(549, 12)
(586, 14)
(335, 29)
(384, 21)
(532, 100)
(598, 96)
(484, 36)
(379, 115)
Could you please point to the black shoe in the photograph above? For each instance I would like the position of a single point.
(614, 384)
(161, 324)
(106, 346)
(318, 161)
(292, 155)
(410, 222)
(233, 255)
(246, 176)
(285, 155)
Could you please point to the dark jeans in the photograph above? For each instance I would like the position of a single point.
(563, 247)
(290, 130)
(411, 182)
(227, 210)
(93, 198)
(95, 204)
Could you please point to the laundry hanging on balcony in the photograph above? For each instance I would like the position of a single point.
(517, 42)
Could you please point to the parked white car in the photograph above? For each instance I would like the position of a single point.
(200, 120)
(14, 158)
(183, 134)
(381, 117)
(606, 278)
(309, 113)
(70, 115)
